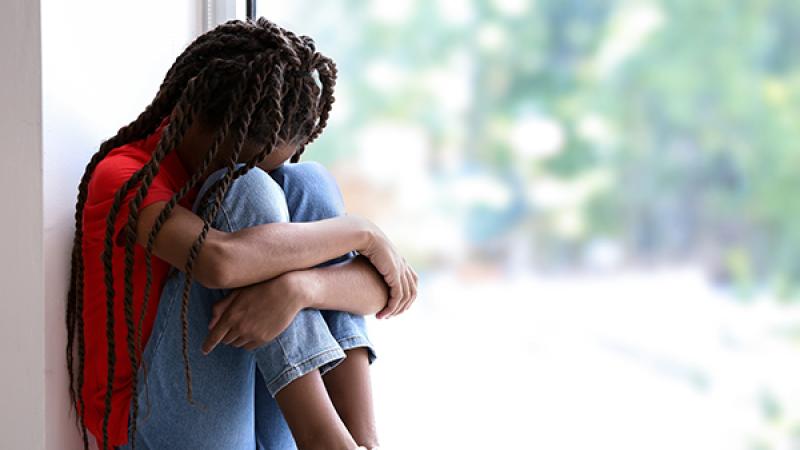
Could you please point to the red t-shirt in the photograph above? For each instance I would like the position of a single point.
(116, 168)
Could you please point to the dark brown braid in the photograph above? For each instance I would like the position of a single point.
(182, 116)
(327, 72)
(209, 215)
(145, 124)
(275, 97)
(220, 136)
(247, 79)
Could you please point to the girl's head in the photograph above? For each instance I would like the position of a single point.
(275, 87)
(245, 92)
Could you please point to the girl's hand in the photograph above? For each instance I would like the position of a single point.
(397, 273)
(253, 315)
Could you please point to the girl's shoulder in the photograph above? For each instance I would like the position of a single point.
(114, 170)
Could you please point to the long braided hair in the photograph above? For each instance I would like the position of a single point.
(248, 80)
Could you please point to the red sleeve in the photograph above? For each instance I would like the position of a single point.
(109, 175)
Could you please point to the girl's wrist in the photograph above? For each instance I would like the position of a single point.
(364, 234)
(303, 287)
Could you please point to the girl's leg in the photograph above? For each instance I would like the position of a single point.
(315, 424)
(223, 381)
(312, 194)
(350, 389)
(272, 431)
(289, 365)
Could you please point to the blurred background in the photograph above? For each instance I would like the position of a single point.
(600, 199)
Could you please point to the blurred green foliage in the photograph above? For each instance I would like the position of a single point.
(687, 108)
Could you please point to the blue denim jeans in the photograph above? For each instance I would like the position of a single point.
(234, 388)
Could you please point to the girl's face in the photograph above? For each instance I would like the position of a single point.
(199, 138)
(279, 155)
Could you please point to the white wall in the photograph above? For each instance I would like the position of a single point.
(21, 267)
(102, 64)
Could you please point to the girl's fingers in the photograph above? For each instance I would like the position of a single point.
(414, 283)
(239, 342)
(382, 313)
(230, 337)
(219, 332)
(397, 289)
(214, 319)
(395, 284)
(410, 293)
(219, 308)
(215, 336)
(406, 291)
(413, 291)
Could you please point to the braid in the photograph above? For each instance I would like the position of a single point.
(239, 139)
(167, 210)
(147, 121)
(181, 118)
(275, 122)
(328, 72)
(240, 37)
(248, 81)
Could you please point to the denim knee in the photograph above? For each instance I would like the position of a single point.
(307, 344)
(311, 191)
(252, 199)
(311, 194)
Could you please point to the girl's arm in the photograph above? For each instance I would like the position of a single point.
(254, 254)
(254, 315)
(353, 286)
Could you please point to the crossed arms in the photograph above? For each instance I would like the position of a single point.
(270, 287)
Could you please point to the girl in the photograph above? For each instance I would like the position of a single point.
(194, 200)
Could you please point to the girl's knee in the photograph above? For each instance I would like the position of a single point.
(309, 169)
(311, 191)
(252, 199)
